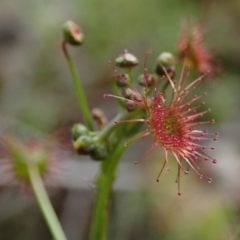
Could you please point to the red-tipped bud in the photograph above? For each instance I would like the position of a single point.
(72, 33)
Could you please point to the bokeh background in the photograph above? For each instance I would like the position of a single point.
(37, 99)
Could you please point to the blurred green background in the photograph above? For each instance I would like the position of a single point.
(37, 98)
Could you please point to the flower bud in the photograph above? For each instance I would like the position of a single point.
(127, 93)
(167, 61)
(78, 130)
(72, 33)
(146, 80)
(122, 80)
(130, 106)
(99, 116)
(84, 145)
(171, 72)
(126, 60)
(130, 94)
(99, 152)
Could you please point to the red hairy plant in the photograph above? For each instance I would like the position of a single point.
(175, 123)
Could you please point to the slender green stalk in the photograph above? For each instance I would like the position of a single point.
(79, 90)
(112, 125)
(129, 73)
(104, 186)
(44, 203)
(117, 93)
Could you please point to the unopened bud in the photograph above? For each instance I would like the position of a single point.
(99, 116)
(130, 106)
(122, 80)
(165, 60)
(130, 94)
(72, 33)
(78, 130)
(99, 152)
(127, 93)
(84, 145)
(146, 80)
(126, 60)
(171, 71)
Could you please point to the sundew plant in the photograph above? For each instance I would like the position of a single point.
(161, 105)
(164, 101)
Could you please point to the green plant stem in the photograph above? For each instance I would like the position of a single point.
(117, 93)
(107, 175)
(129, 73)
(79, 90)
(104, 187)
(111, 126)
(45, 204)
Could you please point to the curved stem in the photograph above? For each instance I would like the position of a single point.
(112, 124)
(44, 203)
(79, 90)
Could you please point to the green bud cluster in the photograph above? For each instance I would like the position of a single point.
(86, 142)
(128, 61)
